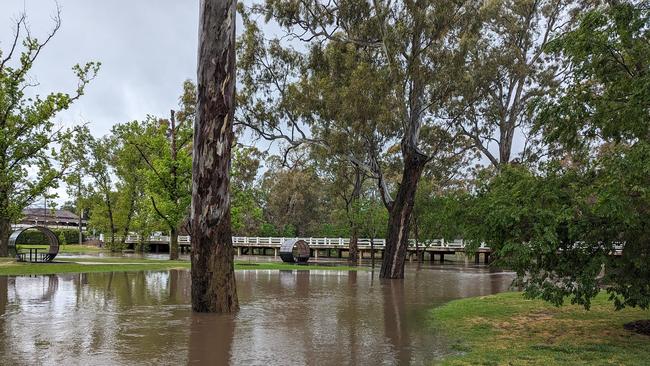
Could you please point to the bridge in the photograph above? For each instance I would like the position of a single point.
(323, 247)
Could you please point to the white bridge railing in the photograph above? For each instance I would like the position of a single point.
(312, 242)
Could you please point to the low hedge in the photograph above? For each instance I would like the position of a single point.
(66, 236)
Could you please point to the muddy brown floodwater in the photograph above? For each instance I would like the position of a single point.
(287, 318)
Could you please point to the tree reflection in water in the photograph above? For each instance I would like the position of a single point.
(395, 323)
(211, 337)
(313, 317)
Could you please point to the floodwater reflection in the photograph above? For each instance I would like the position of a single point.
(287, 318)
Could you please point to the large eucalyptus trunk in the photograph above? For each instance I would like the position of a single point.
(213, 275)
(399, 215)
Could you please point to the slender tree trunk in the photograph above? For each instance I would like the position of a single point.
(5, 224)
(354, 246)
(399, 215)
(352, 210)
(173, 244)
(372, 250)
(129, 218)
(109, 206)
(81, 238)
(213, 275)
(79, 209)
(5, 232)
(417, 239)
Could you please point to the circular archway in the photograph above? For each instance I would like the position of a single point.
(294, 251)
(47, 256)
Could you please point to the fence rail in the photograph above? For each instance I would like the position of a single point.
(271, 242)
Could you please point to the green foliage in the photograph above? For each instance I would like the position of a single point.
(117, 185)
(62, 240)
(289, 231)
(609, 96)
(561, 227)
(152, 161)
(507, 64)
(439, 214)
(371, 90)
(246, 208)
(267, 230)
(332, 230)
(372, 218)
(27, 130)
(76, 150)
(294, 200)
(36, 237)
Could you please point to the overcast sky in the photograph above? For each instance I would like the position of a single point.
(147, 49)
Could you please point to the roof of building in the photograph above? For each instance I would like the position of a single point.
(37, 213)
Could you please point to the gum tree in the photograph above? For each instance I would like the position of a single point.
(213, 272)
(164, 145)
(417, 45)
(76, 150)
(581, 223)
(508, 69)
(27, 130)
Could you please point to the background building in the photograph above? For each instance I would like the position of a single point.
(62, 219)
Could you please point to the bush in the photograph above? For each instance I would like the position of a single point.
(37, 237)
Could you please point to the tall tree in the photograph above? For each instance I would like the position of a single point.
(581, 223)
(213, 272)
(335, 100)
(26, 127)
(419, 44)
(100, 170)
(165, 147)
(345, 182)
(293, 199)
(117, 184)
(246, 206)
(76, 151)
(508, 69)
(127, 166)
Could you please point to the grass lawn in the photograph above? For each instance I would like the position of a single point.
(68, 248)
(506, 329)
(9, 266)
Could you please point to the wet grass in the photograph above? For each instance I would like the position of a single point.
(506, 329)
(68, 248)
(115, 264)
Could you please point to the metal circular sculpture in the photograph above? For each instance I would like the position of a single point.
(51, 253)
(294, 251)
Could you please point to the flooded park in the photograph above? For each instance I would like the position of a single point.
(310, 182)
(289, 317)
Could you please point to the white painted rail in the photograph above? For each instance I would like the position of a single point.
(272, 242)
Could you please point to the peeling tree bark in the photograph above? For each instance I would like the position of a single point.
(213, 277)
(399, 215)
